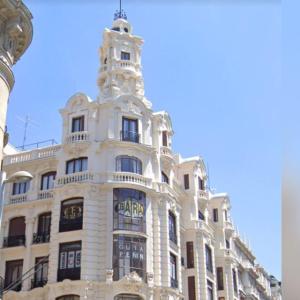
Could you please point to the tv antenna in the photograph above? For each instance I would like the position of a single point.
(27, 121)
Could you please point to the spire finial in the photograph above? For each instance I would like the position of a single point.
(120, 14)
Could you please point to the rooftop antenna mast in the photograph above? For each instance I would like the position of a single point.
(27, 121)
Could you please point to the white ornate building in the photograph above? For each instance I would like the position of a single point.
(112, 212)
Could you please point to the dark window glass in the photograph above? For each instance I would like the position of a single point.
(20, 187)
(201, 215)
(172, 228)
(68, 297)
(164, 178)
(173, 271)
(215, 215)
(186, 181)
(77, 165)
(16, 233)
(165, 138)
(13, 273)
(69, 261)
(105, 60)
(125, 29)
(226, 215)
(227, 244)
(116, 28)
(78, 124)
(191, 287)
(47, 182)
(129, 210)
(201, 183)
(235, 287)
(125, 55)
(43, 232)
(208, 255)
(190, 254)
(130, 130)
(127, 297)
(220, 279)
(71, 215)
(129, 164)
(41, 272)
(210, 293)
(129, 255)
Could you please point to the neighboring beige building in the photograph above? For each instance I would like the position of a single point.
(15, 37)
(113, 213)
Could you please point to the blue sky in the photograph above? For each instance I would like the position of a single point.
(215, 66)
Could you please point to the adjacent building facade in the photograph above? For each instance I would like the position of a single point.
(112, 212)
(15, 37)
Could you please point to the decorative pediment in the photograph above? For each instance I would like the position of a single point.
(77, 102)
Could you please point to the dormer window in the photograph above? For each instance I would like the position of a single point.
(125, 55)
(78, 124)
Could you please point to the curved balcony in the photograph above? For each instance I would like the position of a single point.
(75, 178)
(78, 137)
(202, 195)
(203, 226)
(127, 177)
(166, 152)
(15, 199)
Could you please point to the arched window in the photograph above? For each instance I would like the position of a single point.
(16, 232)
(130, 164)
(43, 229)
(76, 165)
(127, 297)
(71, 215)
(47, 181)
(129, 210)
(68, 297)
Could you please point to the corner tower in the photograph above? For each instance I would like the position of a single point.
(120, 59)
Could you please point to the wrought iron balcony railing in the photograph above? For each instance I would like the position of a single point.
(69, 225)
(13, 241)
(129, 136)
(35, 283)
(40, 238)
(72, 274)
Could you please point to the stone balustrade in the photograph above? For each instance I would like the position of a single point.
(166, 151)
(202, 195)
(15, 199)
(130, 178)
(47, 194)
(31, 155)
(77, 137)
(75, 177)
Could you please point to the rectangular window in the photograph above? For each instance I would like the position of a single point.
(210, 290)
(208, 255)
(43, 230)
(20, 187)
(173, 271)
(201, 184)
(69, 261)
(129, 255)
(190, 254)
(130, 130)
(215, 215)
(77, 165)
(186, 181)
(41, 272)
(191, 287)
(227, 244)
(226, 215)
(13, 272)
(165, 138)
(220, 279)
(235, 287)
(164, 178)
(201, 216)
(78, 124)
(47, 181)
(172, 228)
(125, 55)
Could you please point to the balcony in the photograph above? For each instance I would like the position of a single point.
(166, 152)
(41, 238)
(128, 177)
(72, 274)
(70, 225)
(47, 194)
(202, 195)
(14, 241)
(31, 155)
(174, 283)
(78, 137)
(75, 177)
(36, 283)
(252, 293)
(129, 136)
(20, 198)
(202, 225)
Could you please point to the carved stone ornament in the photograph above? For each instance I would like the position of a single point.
(109, 276)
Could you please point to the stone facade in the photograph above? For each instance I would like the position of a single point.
(15, 37)
(139, 219)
